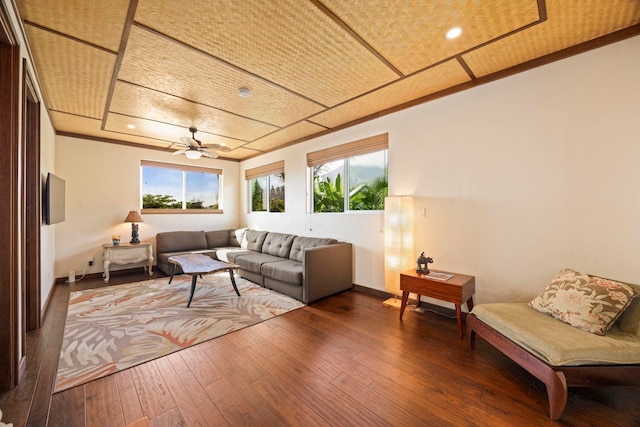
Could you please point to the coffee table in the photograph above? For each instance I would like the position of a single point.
(197, 265)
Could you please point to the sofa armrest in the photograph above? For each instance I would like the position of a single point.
(327, 270)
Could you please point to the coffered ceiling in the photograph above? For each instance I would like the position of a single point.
(141, 72)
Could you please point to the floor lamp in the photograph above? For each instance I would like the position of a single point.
(398, 243)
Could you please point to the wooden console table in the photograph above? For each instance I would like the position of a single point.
(458, 290)
(127, 254)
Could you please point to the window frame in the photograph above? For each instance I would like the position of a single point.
(265, 171)
(344, 153)
(183, 168)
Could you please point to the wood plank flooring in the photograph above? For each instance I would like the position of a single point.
(343, 361)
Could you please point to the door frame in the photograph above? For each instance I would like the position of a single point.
(9, 196)
(32, 201)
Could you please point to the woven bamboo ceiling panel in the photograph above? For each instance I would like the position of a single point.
(285, 136)
(141, 72)
(92, 129)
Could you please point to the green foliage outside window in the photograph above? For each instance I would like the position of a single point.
(257, 197)
(368, 184)
(160, 201)
(327, 194)
(163, 201)
(267, 193)
(366, 197)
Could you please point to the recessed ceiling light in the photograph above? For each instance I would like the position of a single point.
(454, 33)
(244, 92)
(131, 126)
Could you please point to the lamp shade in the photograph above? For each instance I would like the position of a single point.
(133, 216)
(398, 240)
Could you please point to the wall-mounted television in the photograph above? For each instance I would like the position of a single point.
(54, 199)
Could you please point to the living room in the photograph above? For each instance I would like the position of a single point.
(519, 177)
(514, 190)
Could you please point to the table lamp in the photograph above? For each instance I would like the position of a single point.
(134, 217)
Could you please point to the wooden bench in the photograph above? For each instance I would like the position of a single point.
(557, 377)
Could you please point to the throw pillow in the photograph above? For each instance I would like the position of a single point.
(590, 303)
(629, 321)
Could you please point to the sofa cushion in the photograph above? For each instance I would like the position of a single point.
(586, 302)
(230, 253)
(253, 240)
(236, 236)
(288, 271)
(253, 261)
(175, 241)
(556, 342)
(278, 244)
(300, 244)
(217, 239)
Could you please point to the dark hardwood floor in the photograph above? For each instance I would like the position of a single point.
(343, 361)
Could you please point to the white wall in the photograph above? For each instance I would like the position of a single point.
(103, 185)
(520, 177)
(47, 232)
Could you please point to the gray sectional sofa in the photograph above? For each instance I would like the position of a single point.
(305, 268)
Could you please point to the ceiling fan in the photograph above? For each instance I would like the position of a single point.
(194, 148)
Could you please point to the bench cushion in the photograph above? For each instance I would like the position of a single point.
(556, 342)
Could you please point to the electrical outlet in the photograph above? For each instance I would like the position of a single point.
(90, 261)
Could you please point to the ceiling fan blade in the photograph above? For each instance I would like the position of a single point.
(218, 147)
(179, 152)
(189, 141)
(209, 154)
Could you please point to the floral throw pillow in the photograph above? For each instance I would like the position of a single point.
(586, 302)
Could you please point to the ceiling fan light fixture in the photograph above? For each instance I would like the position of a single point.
(454, 33)
(193, 154)
(244, 92)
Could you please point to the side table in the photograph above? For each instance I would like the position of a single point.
(127, 254)
(458, 290)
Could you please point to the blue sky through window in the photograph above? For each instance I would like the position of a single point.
(165, 181)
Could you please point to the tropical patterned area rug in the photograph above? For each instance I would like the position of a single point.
(114, 328)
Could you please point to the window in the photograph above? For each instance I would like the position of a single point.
(266, 187)
(171, 188)
(363, 163)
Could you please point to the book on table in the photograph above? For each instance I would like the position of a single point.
(439, 276)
